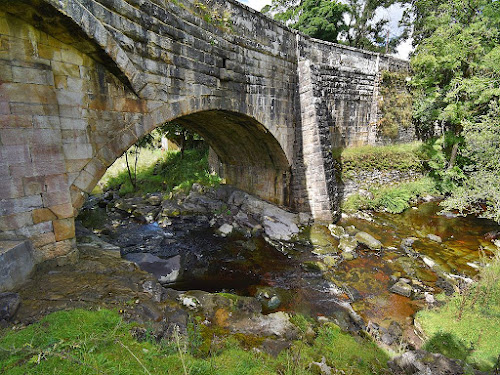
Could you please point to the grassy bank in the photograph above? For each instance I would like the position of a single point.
(157, 171)
(466, 326)
(410, 157)
(394, 199)
(89, 342)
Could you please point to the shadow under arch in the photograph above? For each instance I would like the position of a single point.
(251, 157)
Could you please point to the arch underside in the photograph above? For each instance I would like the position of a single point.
(251, 158)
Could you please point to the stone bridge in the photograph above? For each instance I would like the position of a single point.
(83, 80)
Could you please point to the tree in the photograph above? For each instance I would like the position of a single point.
(181, 136)
(135, 150)
(322, 19)
(457, 88)
(366, 33)
(350, 22)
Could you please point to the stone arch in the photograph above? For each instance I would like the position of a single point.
(251, 157)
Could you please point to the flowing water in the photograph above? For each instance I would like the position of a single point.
(247, 266)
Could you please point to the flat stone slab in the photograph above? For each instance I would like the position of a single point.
(16, 263)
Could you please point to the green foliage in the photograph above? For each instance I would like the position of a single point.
(456, 64)
(90, 342)
(214, 14)
(365, 32)
(326, 20)
(463, 327)
(172, 172)
(394, 199)
(322, 19)
(447, 177)
(480, 192)
(402, 157)
(457, 86)
(395, 104)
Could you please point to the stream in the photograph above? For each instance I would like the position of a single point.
(309, 274)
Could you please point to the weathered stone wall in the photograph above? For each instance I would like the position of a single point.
(58, 111)
(81, 81)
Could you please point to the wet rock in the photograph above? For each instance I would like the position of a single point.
(348, 244)
(336, 230)
(368, 240)
(434, 237)
(348, 255)
(351, 230)
(276, 324)
(154, 200)
(269, 298)
(395, 329)
(9, 303)
(170, 209)
(280, 228)
(191, 302)
(225, 230)
(320, 368)
(407, 264)
(422, 362)
(401, 288)
(330, 261)
(165, 270)
(314, 266)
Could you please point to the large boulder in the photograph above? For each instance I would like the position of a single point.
(368, 240)
(166, 270)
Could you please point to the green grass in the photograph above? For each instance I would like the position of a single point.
(402, 157)
(467, 326)
(161, 173)
(90, 342)
(393, 199)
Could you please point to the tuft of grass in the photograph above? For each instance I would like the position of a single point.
(466, 326)
(393, 199)
(90, 342)
(172, 171)
(401, 157)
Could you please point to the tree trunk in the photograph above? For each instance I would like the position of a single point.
(135, 166)
(128, 170)
(453, 157)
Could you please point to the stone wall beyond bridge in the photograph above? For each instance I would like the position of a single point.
(83, 80)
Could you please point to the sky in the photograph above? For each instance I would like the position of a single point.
(393, 13)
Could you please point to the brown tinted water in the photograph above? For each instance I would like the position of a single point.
(246, 265)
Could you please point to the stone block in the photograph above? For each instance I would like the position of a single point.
(15, 221)
(56, 198)
(63, 211)
(15, 154)
(65, 69)
(15, 121)
(18, 205)
(54, 250)
(42, 239)
(41, 215)
(77, 197)
(77, 151)
(31, 75)
(64, 229)
(16, 263)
